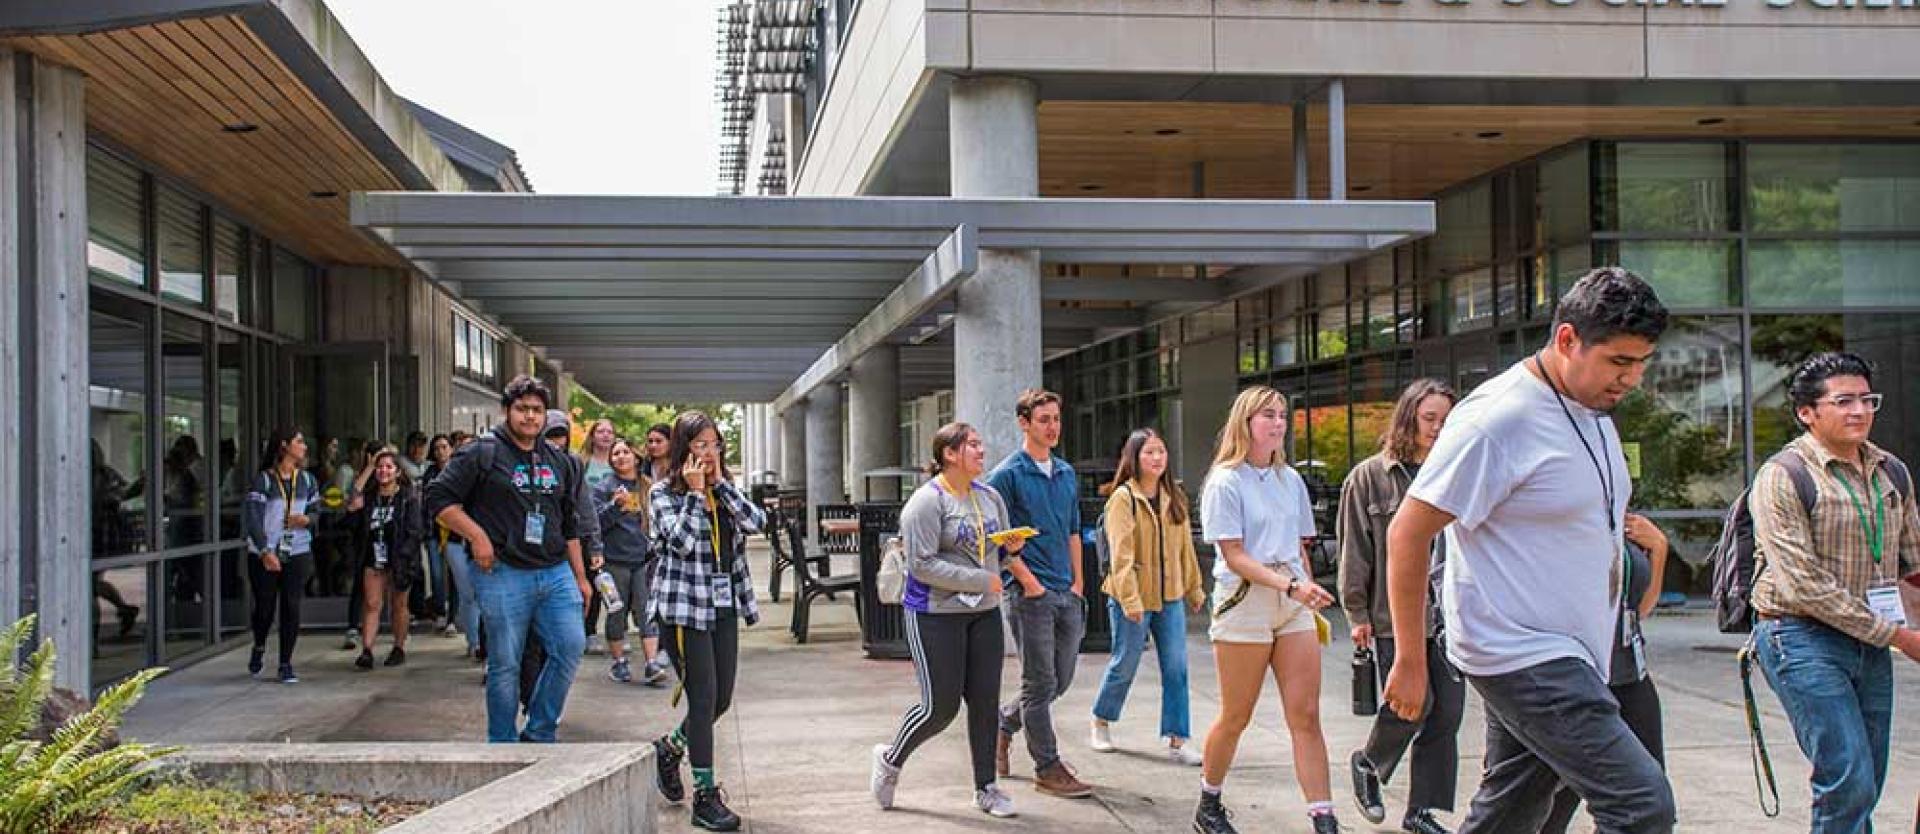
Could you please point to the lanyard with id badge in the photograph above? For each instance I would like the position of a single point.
(722, 580)
(535, 532)
(1883, 596)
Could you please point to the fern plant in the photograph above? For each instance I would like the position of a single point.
(44, 786)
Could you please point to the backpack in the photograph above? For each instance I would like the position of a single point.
(1732, 555)
(890, 582)
(1102, 548)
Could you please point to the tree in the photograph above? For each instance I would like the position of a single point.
(632, 420)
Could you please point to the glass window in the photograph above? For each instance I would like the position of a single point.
(183, 263)
(229, 271)
(1285, 343)
(232, 592)
(1686, 273)
(1686, 424)
(1846, 273)
(1664, 187)
(1565, 197)
(184, 581)
(1252, 353)
(293, 295)
(1374, 393)
(1472, 296)
(1834, 188)
(116, 223)
(118, 358)
(1330, 333)
(1381, 328)
(235, 431)
(1464, 235)
(184, 485)
(120, 608)
(1779, 343)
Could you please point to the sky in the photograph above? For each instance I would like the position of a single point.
(596, 96)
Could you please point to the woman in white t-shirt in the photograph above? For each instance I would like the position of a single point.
(1256, 512)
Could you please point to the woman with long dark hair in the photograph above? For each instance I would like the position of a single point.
(701, 594)
(658, 464)
(385, 513)
(278, 528)
(952, 614)
(1368, 500)
(621, 501)
(449, 586)
(1154, 579)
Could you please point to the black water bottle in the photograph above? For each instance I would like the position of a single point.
(1366, 682)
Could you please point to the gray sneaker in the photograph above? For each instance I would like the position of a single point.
(994, 801)
(621, 672)
(885, 778)
(596, 645)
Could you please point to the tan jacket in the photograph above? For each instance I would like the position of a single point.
(1153, 558)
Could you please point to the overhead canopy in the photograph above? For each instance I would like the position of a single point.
(761, 299)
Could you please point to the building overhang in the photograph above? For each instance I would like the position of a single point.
(764, 299)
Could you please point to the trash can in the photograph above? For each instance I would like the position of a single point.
(883, 628)
(1099, 637)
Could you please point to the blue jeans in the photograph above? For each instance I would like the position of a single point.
(466, 610)
(1169, 629)
(1838, 693)
(512, 600)
(438, 595)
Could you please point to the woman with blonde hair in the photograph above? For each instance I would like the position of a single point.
(1256, 511)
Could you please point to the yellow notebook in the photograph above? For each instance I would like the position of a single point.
(1016, 534)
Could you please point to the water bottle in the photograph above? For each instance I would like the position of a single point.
(609, 592)
(1366, 682)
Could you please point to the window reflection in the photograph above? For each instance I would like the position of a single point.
(116, 231)
(1686, 425)
(117, 424)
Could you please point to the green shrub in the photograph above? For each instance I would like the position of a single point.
(46, 786)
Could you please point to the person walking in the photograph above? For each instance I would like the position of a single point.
(1372, 493)
(702, 593)
(349, 477)
(620, 500)
(598, 454)
(558, 433)
(1530, 483)
(447, 588)
(1826, 594)
(418, 451)
(658, 465)
(278, 529)
(1050, 613)
(512, 498)
(1154, 580)
(389, 525)
(952, 604)
(1256, 511)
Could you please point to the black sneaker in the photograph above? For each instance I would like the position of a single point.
(395, 657)
(666, 763)
(287, 675)
(1421, 821)
(365, 661)
(1212, 817)
(256, 660)
(1325, 824)
(710, 811)
(1366, 788)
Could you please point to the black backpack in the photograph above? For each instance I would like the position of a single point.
(1732, 556)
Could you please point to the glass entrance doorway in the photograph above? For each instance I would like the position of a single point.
(339, 399)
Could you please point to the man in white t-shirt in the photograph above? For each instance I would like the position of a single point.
(1530, 483)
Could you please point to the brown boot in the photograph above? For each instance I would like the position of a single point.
(1056, 780)
(1002, 765)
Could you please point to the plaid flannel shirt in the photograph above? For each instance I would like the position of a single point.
(683, 542)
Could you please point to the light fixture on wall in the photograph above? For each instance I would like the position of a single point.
(1167, 131)
(323, 195)
(1091, 186)
(1490, 134)
(1710, 121)
(240, 127)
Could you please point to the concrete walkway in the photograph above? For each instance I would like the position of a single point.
(793, 753)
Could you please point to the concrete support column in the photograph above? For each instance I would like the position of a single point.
(1336, 140)
(994, 151)
(873, 417)
(44, 532)
(826, 476)
(793, 446)
(1302, 164)
(749, 442)
(770, 437)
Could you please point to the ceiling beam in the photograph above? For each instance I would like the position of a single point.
(1132, 289)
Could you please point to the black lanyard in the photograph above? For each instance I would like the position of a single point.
(1606, 479)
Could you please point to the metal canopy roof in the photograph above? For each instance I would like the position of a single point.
(756, 299)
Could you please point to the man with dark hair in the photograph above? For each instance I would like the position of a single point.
(1529, 482)
(1050, 611)
(414, 460)
(1826, 585)
(511, 497)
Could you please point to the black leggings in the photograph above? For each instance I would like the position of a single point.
(1640, 708)
(957, 658)
(278, 591)
(706, 662)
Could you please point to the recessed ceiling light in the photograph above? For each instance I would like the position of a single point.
(323, 195)
(1359, 189)
(1710, 121)
(1091, 187)
(1490, 134)
(1167, 131)
(240, 127)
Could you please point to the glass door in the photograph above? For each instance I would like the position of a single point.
(337, 394)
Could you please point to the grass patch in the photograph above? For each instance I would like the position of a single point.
(192, 808)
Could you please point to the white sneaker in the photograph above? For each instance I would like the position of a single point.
(994, 801)
(1184, 755)
(1102, 740)
(885, 778)
(596, 645)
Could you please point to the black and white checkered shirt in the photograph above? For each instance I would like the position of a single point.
(683, 542)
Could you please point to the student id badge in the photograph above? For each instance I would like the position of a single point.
(1632, 638)
(722, 591)
(536, 528)
(1884, 599)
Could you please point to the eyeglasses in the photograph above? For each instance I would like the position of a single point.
(1846, 402)
(704, 446)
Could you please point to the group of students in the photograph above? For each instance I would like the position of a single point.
(1488, 545)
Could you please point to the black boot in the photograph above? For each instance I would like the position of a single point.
(666, 762)
(1325, 824)
(1366, 788)
(1212, 817)
(710, 811)
(396, 657)
(365, 661)
(1421, 821)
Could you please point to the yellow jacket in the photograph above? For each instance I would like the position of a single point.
(1153, 558)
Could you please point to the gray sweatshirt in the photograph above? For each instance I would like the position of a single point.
(944, 560)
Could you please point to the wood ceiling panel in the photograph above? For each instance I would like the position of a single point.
(1151, 149)
(167, 91)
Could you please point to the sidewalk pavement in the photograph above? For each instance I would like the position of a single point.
(793, 753)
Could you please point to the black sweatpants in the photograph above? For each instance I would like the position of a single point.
(706, 662)
(1640, 706)
(278, 591)
(957, 658)
(1435, 738)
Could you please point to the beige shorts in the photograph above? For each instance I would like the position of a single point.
(1258, 616)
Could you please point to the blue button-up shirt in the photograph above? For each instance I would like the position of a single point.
(1050, 504)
